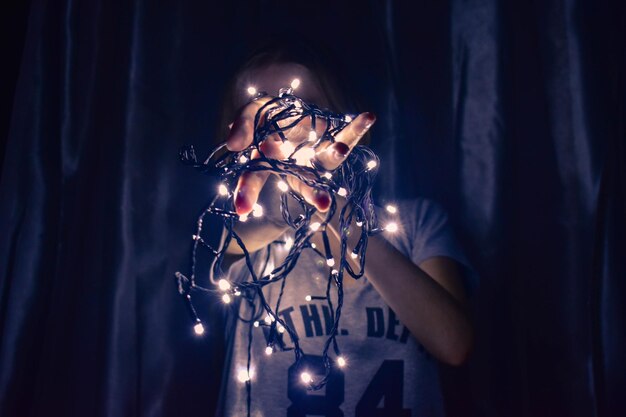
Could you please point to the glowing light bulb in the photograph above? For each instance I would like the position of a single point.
(347, 118)
(295, 83)
(391, 227)
(341, 361)
(308, 298)
(281, 329)
(243, 375)
(222, 190)
(257, 210)
(282, 186)
(313, 245)
(330, 262)
(257, 324)
(391, 209)
(269, 350)
(304, 155)
(288, 243)
(268, 319)
(327, 175)
(306, 377)
(223, 284)
(334, 272)
(371, 165)
(315, 226)
(287, 148)
(359, 224)
(251, 90)
(312, 135)
(243, 218)
(243, 159)
(199, 329)
(226, 299)
(354, 255)
(237, 293)
(342, 192)
(195, 237)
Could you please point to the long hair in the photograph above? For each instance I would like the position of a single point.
(318, 59)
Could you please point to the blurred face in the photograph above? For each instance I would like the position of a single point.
(276, 76)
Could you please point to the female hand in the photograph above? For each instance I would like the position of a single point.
(327, 155)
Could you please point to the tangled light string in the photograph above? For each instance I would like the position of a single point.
(352, 180)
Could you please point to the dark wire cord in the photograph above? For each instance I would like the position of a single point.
(353, 180)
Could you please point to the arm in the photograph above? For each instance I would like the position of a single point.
(429, 299)
(254, 185)
(424, 299)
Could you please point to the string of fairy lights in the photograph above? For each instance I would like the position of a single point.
(352, 181)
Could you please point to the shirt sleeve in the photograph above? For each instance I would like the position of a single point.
(432, 235)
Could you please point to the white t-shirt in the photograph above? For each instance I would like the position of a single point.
(387, 373)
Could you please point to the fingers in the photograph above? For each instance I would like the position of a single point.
(251, 183)
(331, 157)
(303, 131)
(248, 188)
(320, 199)
(242, 129)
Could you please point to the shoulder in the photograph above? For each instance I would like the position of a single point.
(422, 211)
(431, 234)
(418, 220)
(410, 215)
(429, 230)
(426, 231)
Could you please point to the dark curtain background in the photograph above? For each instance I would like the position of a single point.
(511, 114)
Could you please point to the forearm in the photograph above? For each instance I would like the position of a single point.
(431, 313)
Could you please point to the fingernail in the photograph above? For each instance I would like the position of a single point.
(370, 117)
(340, 150)
(242, 203)
(322, 200)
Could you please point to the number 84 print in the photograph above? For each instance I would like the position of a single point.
(383, 396)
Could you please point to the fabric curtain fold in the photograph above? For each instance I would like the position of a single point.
(510, 115)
